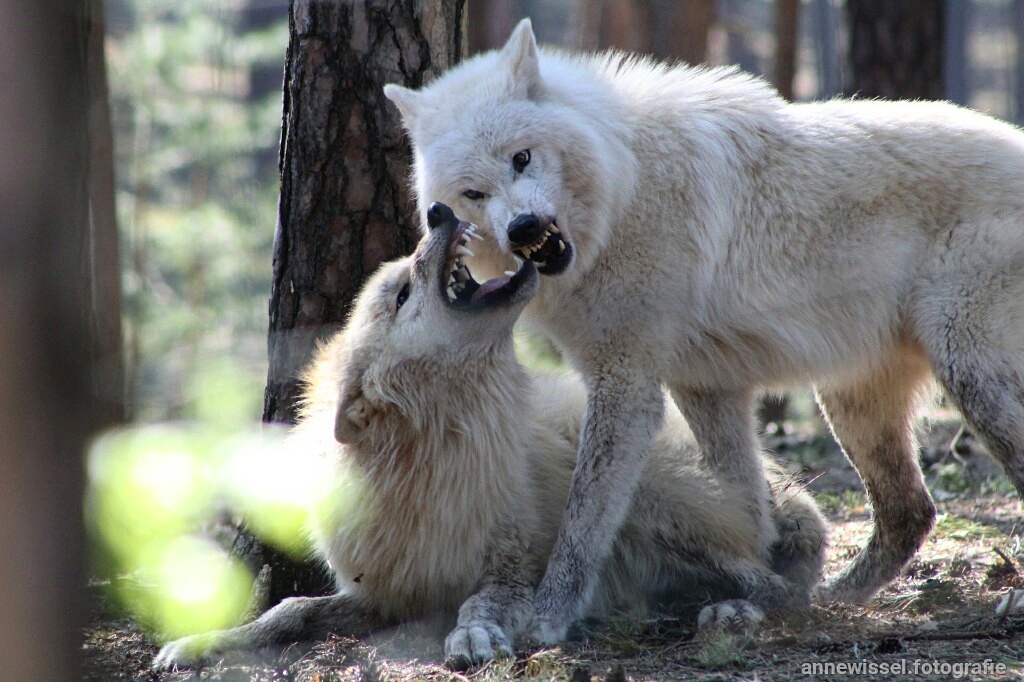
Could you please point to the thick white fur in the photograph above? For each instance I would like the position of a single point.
(725, 241)
(453, 474)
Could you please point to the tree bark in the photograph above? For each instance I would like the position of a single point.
(104, 252)
(896, 48)
(682, 29)
(490, 22)
(345, 205)
(45, 299)
(787, 36)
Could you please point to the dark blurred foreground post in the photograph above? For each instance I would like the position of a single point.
(45, 402)
(345, 206)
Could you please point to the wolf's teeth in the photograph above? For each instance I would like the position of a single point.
(451, 294)
(542, 264)
(463, 251)
(509, 273)
(451, 279)
(554, 229)
(561, 247)
(474, 235)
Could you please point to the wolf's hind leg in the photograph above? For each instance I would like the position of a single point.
(293, 620)
(723, 424)
(872, 419)
(974, 337)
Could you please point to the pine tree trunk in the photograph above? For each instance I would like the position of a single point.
(787, 38)
(345, 205)
(896, 48)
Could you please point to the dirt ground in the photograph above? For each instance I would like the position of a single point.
(938, 621)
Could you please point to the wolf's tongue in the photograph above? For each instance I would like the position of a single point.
(489, 287)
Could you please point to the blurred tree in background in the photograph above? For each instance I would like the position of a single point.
(196, 125)
(896, 48)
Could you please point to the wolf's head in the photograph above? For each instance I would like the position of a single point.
(529, 145)
(423, 338)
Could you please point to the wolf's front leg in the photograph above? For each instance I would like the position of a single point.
(293, 620)
(499, 609)
(624, 410)
(723, 424)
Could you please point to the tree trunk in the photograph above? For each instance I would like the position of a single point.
(45, 298)
(627, 25)
(586, 22)
(105, 253)
(490, 22)
(345, 205)
(787, 37)
(682, 29)
(896, 48)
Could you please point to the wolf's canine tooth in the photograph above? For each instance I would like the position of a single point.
(463, 251)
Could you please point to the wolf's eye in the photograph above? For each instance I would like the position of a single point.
(521, 160)
(473, 194)
(403, 296)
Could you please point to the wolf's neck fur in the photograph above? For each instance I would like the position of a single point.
(443, 468)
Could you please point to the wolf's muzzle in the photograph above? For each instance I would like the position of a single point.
(525, 229)
(439, 214)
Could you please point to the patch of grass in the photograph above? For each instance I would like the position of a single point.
(501, 668)
(547, 664)
(724, 650)
(997, 485)
(846, 501)
(952, 478)
(953, 527)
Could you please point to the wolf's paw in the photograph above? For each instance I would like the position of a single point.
(839, 591)
(735, 615)
(187, 652)
(473, 644)
(543, 632)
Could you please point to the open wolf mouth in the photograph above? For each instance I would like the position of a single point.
(462, 292)
(551, 252)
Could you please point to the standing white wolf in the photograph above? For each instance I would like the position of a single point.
(455, 464)
(699, 231)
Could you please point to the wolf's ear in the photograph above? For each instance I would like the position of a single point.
(520, 56)
(354, 413)
(406, 100)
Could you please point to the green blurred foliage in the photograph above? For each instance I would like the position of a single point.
(155, 493)
(196, 127)
(196, 145)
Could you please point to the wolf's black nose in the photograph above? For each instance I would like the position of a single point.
(439, 213)
(524, 229)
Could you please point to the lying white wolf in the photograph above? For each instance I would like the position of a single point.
(700, 232)
(465, 461)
